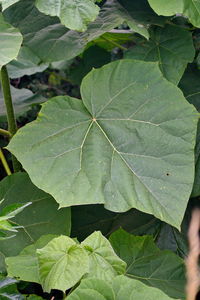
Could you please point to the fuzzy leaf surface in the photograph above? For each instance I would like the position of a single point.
(104, 149)
(145, 262)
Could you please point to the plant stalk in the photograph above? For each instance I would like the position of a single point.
(12, 125)
(114, 43)
(5, 133)
(4, 163)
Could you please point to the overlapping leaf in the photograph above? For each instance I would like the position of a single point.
(145, 262)
(122, 146)
(189, 8)
(40, 218)
(172, 47)
(10, 40)
(76, 14)
(7, 3)
(122, 288)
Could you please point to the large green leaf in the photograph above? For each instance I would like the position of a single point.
(191, 89)
(104, 263)
(40, 218)
(171, 46)
(190, 8)
(74, 14)
(22, 101)
(122, 288)
(122, 146)
(10, 40)
(145, 262)
(25, 266)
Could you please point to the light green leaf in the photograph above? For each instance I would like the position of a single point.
(40, 218)
(145, 262)
(25, 266)
(74, 14)
(172, 47)
(10, 40)
(122, 288)
(62, 263)
(105, 149)
(7, 3)
(189, 8)
(104, 263)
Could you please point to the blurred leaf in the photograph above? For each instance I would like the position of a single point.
(8, 289)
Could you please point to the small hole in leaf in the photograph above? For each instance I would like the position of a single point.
(167, 174)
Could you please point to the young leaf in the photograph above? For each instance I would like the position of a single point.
(171, 46)
(10, 40)
(62, 263)
(104, 263)
(122, 288)
(76, 14)
(40, 218)
(122, 146)
(25, 266)
(145, 262)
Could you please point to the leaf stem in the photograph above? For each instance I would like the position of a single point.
(4, 163)
(4, 132)
(12, 125)
(114, 43)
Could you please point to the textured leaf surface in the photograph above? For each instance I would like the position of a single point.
(62, 263)
(172, 47)
(40, 218)
(104, 263)
(145, 262)
(189, 8)
(191, 89)
(10, 40)
(122, 288)
(105, 149)
(74, 14)
(25, 266)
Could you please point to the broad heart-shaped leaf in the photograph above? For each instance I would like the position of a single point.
(189, 8)
(25, 266)
(122, 146)
(104, 263)
(122, 288)
(62, 263)
(171, 46)
(76, 14)
(145, 262)
(22, 101)
(40, 218)
(191, 89)
(10, 40)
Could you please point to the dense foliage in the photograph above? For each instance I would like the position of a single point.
(99, 159)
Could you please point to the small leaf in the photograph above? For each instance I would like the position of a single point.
(76, 14)
(7, 3)
(62, 263)
(10, 40)
(145, 262)
(104, 263)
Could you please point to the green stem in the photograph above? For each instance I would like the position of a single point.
(4, 132)
(114, 43)
(4, 163)
(12, 125)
